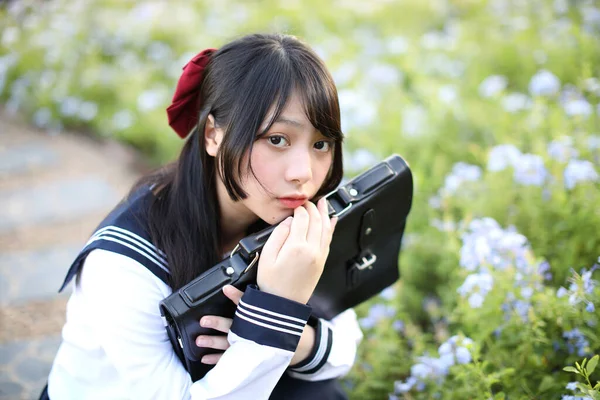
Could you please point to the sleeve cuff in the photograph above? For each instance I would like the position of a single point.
(270, 320)
(320, 352)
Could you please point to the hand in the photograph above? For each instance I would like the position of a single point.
(293, 258)
(221, 324)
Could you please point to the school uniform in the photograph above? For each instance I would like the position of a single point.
(115, 345)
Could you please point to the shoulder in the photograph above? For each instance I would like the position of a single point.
(109, 272)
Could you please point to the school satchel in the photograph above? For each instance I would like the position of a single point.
(372, 210)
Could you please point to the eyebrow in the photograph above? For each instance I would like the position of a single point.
(287, 121)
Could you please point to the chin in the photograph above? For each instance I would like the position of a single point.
(275, 218)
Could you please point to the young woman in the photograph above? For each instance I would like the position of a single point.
(262, 122)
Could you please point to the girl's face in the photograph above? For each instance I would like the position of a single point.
(290, 163)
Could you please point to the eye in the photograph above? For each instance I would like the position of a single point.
(277, 141)
(323, 145)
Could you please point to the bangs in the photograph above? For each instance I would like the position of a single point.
(274, 67)
(317, 92)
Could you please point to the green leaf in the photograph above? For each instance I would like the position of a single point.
(578, 366)
(592, 364)
(571, 369)
(547, 383)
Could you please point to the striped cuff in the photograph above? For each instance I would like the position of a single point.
(270, 320)
(320, 352)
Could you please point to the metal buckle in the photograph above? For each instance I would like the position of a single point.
(341, 212)
(366, 262)
(236, 248)
(252, 262)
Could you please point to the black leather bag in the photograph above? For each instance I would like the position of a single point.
(363, 260)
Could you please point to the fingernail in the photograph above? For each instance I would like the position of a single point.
(201, 342)
(205, 322)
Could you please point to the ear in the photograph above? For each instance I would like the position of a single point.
(213, 136)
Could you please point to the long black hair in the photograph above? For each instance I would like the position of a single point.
(242, 81)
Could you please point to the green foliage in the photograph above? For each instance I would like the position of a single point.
(439, 82)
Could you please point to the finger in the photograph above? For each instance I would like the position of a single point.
(327, 238)
(315, 226)
(299, 226)
(211, 359)
(220, 324)
(234, 294)
(212, 342)
(326, 226)
(276, 241)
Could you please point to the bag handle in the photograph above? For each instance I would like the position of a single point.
(339, 201)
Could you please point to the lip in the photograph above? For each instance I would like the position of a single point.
(292, 201)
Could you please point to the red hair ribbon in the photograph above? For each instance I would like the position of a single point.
(183, 108)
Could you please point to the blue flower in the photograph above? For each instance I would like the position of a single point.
(404, 387)
(486, 244)
(388, 293)
(503, 156)
(576, 342)
(377, 313)
(123, 119)
(476, 300)
(492, 85)
(158, 52)
(463, 355)
(461, 172)
(360, 159)
(70, 106)
(544, 83)
(398, 325)
(572, 386)
(42, 117)
(151, 99)
(574, 103)
(578, 107)
(476, 286)
(414, 120)
(578, 171)
(527, 292)
(514, 102)
(588, 283)
(530, 170)
(590, 307)
(593, 142)
(88, 111)
(454, 349)
(562, 149)
(544, 270)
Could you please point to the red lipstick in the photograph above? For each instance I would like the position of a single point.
(292, 201)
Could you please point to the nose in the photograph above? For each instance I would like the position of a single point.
(299, 167)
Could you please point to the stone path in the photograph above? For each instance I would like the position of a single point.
(54, 190)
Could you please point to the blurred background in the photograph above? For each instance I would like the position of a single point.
(494, 104)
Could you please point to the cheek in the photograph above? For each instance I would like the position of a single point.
(322, 169)
(264, 166)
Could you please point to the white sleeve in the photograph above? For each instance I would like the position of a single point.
(334, 352)
(123, 297)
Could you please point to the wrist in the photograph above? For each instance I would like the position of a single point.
(305, 346)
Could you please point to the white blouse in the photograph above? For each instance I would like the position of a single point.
(115, 345)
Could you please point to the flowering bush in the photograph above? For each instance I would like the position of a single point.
(495, 105)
